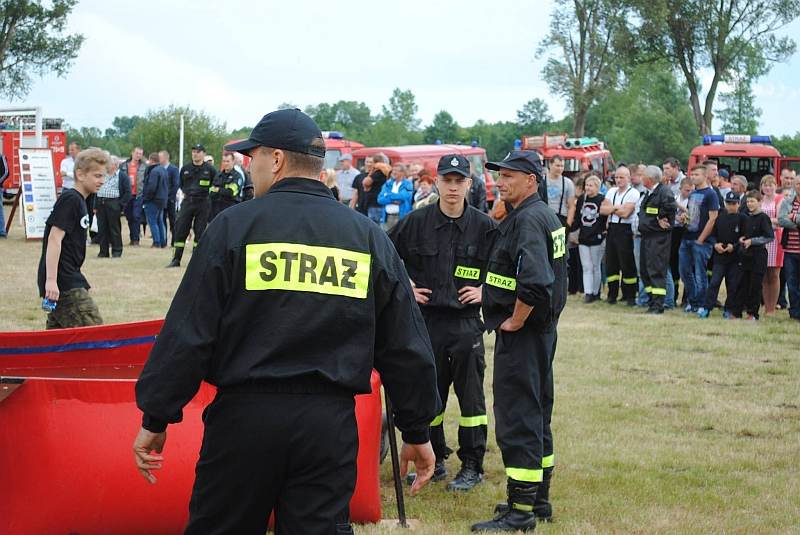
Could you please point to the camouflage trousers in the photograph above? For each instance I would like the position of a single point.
(75, 308)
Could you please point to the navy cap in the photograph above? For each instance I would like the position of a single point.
(453, 163)
(198, 146)
(732, 196)
(526, 161)
(290, 130)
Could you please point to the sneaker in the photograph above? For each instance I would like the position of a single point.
(466, 479)
(611, 301)
(689, 309)
(703, 313)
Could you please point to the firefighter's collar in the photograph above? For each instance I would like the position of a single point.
(295, 184)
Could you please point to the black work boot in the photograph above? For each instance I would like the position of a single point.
(470, 475)
(439, 473)
(176, 259)
(518, 514)
(542, 507)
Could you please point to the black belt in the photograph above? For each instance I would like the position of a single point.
(470, 312)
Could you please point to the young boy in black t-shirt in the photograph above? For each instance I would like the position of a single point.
(64, 247)
(727, 259)
(756, 233)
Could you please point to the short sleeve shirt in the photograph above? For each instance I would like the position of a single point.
(70, 215)
(559, 192)
(701, 202)
(619, 198)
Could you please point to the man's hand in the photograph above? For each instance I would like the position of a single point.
(730, 247)
(422, 295)
(146, 442)
(718, 247)
(745, 242)
(470, 295)
(699, 241)
(424, 460)
(51, 290)
(511, 325)
(664, 223)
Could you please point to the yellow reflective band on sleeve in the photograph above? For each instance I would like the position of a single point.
(659, 291)
(473, 421)
(438, 420)
(506, 283)
(709, 272)
(612, 278)
(526, 475)
(632, 280)
(522, 507)
(651, 210)
(234, 187)
(213, 189)
(463, 272)
(548, 461)
(559, 242)
(179, 245)
(648, 289)
(205, 183)
(296, 267)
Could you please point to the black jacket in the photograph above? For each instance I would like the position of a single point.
(227, 186)
(295, 291)
(196, 179)
(527, 261)
(477, 194)
(758, 228)
(444, 254)
(156, 186)
(727, 231)
(659, 204)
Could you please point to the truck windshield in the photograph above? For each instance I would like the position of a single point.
(751, 168)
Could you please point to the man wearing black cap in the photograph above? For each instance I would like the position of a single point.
(523, 295)
(286, 306)
(195, 180)
(444, 247)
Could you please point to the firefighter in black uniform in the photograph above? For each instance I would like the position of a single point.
(444, 247)
(286, 306)
(227, 187)
(523, 295)
(195, 180)
(656, 213)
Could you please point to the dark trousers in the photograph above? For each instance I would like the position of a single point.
(620, 259)
(674, 259)
(791, 265)
(109, 225)
(193, 215)
(294, 453)
(748, 295)
(574, 271)
(90, 206)
(523, 401)
(169, 219)
(731, 272)
(782, 302)
(460, 360)
(217, 206)
(133, 215)
(654, 261)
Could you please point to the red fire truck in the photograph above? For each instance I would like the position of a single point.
(579, 154)
(18, 129)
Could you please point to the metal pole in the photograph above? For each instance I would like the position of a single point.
(398, 483)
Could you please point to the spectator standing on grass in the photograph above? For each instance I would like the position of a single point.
(154, 199)
(789, 220)
(173, 183)
(619, 205)
(372, 185)
(770, 202)
(64, 247)
(134, 169)
(67, 167)
(672, 171)
(358, 202)
(111, 197)
(328, 176)
(345, 178)
(396, 197)
(756, 234)
(560, 191)
(226, 188)
(678, 228)
(591, 226)
(426, 193)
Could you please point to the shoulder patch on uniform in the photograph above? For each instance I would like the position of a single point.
(559, 242)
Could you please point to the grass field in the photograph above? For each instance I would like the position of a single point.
(662, 424)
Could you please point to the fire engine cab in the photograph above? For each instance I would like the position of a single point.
(336, 146)
(580, 155)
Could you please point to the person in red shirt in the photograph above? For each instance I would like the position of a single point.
(789, 220)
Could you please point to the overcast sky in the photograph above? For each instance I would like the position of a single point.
(240, 59)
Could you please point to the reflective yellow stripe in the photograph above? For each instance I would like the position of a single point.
(522, 507)
(213, 189)
(234, 187)
(205, 182)
(612, 278)
(648, 289)
(632, 280)
(473, 421)
(463, 272)
(659, 291)
(709, 272)
(651, 210)
(525, 474)
(549, 461)
(438, 420)
(306, 268)
(506, 283)
(559, 242)
(180, 244)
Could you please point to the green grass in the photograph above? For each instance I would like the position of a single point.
(662, 424)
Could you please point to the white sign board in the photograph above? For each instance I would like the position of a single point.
(38, 185)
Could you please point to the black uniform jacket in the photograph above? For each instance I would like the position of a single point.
(527, 261)
(657, 205)
(727, 231)
(293, 288)
(444, 254)
(196, 179)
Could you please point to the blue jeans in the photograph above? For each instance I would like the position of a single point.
(791, 263)
(155, 220)
(375, 213)
(2, 216)
(643, 299)
(693, 261)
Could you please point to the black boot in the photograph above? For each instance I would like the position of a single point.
(541, 508)
(518, 515)
(176, 259)
(470, 475)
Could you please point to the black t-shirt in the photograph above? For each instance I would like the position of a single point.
(70, 215)
(368, 199)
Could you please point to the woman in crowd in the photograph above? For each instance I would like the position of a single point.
(328, 176)
(591, 227)
(770, 201)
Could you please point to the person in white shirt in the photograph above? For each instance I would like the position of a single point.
(345, 177)
(67, 167)
(619, 205)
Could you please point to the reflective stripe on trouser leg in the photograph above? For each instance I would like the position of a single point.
(655, 260)
(522, 366)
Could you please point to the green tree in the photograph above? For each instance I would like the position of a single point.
(402, 108)
(32, 41)
(351, 117)
(788, 145)
(740, 114)
(585, 66)
(287, 106)
(496, 138)
(443, 128)
(534, 117)
(695, 36)
(88, 136)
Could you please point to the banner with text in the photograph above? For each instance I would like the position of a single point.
(38, 184)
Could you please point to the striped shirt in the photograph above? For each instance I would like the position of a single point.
(793, 239)
(110, 188)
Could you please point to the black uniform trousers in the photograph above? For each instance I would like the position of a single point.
(654, 262)
(169, 219)
(460, 360)
(523, 401)
(674, 258)
(217, 206)
(748, 294)
(731, 273)
(109, 225)
(294, 453)
(619, 258)
(192, 215)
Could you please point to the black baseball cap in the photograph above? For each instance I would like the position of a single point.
(290, 130)
(198, 146)
(732, 197)
(453, 163)
(526, 161)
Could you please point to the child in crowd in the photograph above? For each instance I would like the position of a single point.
(756, 233)
(727, 231)
(64, 247)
